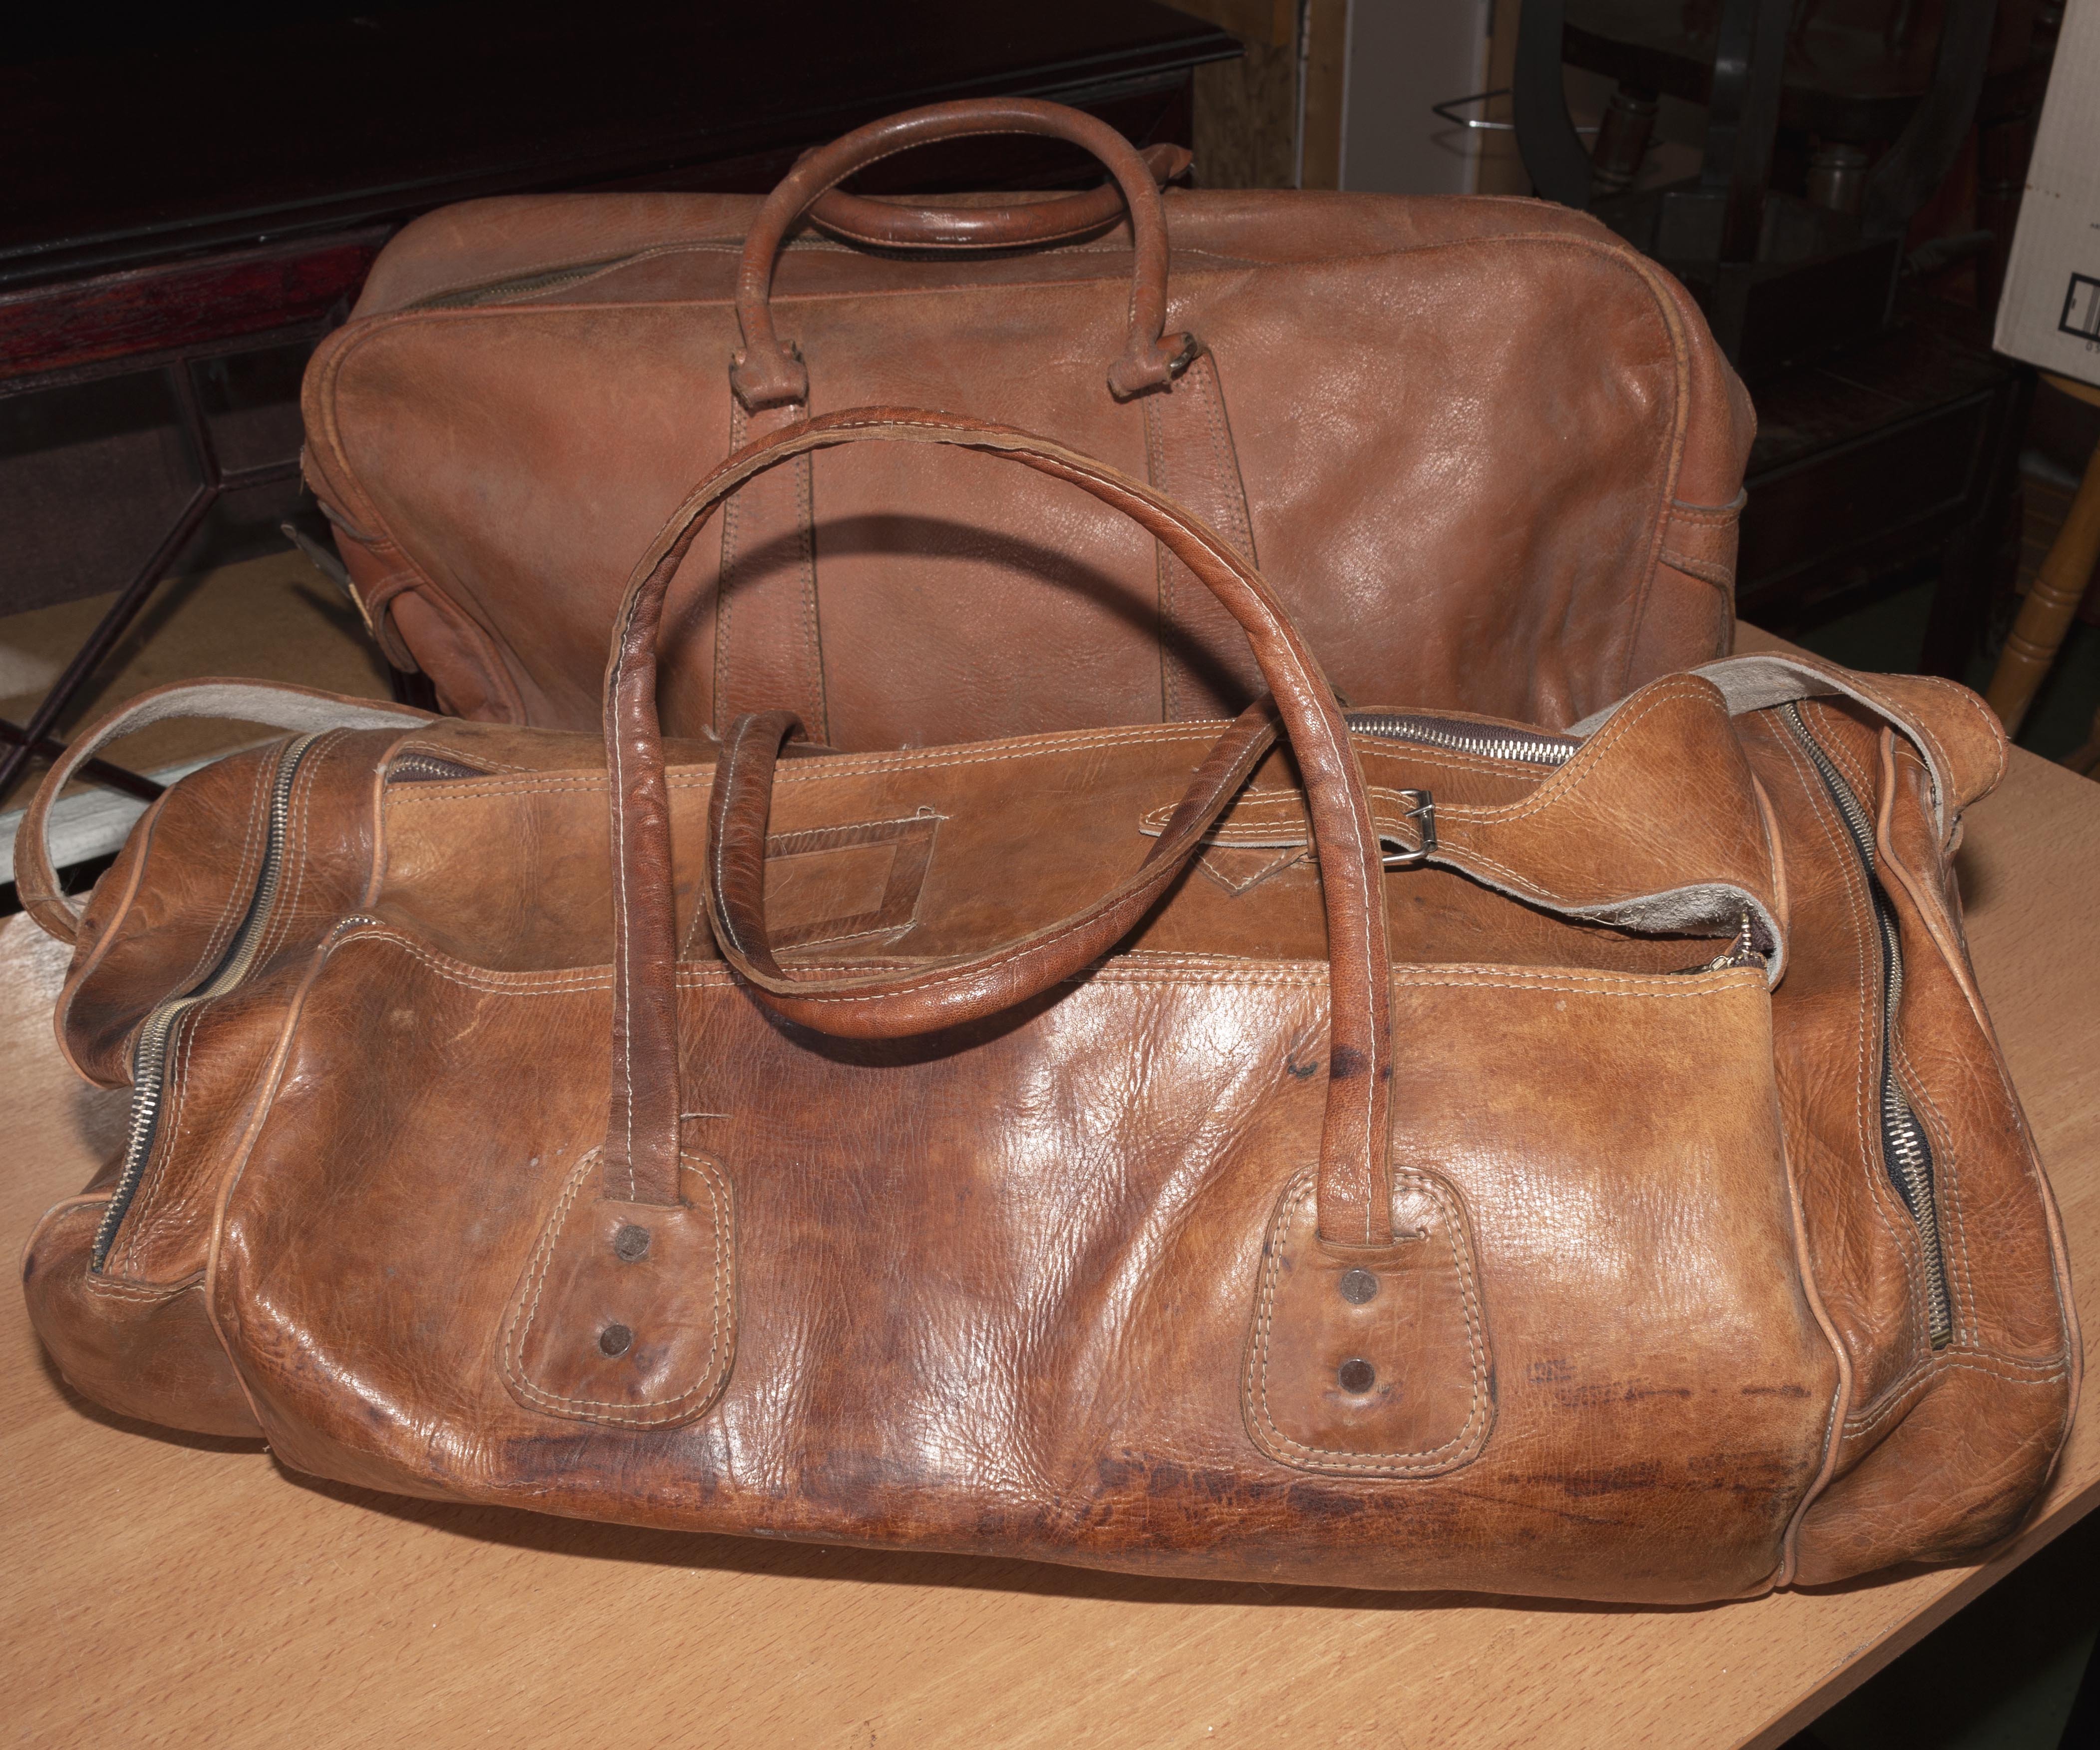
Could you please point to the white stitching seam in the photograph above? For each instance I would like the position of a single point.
(623, 975)
(1474, 1431)
(139, 1292)
(521, 1324)
(1589, 756)
(1922, 1375)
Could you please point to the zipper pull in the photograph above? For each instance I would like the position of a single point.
(1738, 953)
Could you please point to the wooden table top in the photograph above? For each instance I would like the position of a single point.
(169, 1588)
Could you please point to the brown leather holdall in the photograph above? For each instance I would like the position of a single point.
(1488, 452)
(1451, 1154)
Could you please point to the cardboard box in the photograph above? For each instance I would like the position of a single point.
(2049, 314)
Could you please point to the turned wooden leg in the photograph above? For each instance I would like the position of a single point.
(2045, 616)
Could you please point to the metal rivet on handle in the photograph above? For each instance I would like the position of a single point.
(614, 1338)
(1358, 1375)
(630, 1242)
(1357, 1286)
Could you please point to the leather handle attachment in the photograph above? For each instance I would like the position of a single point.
(277, 703)
(642, 1140)
(966, 988)
(1015, 225)
(769, 373)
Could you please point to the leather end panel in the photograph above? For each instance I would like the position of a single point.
(142, 1349)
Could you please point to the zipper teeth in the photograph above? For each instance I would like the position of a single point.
(1466, 738)
(417, 768)
(1741, 951)
(1906, 1150)
(149, 1055)
(522, 286)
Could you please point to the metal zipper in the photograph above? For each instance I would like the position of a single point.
(1906, 1149)
(430, 768)
(1526, 746)
(1742, 952)
(1489, 740)
(521, 285)
(149, 1051)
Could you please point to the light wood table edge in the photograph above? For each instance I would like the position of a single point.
(1501, 1673)
(2058, 1515)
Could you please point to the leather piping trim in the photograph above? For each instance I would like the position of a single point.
(225, 1318)
(1840, 1395)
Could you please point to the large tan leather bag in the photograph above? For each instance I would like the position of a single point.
(1489, 451)
(1453, 1155)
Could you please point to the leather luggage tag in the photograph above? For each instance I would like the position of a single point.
(626, 1312)
(1371, 1363)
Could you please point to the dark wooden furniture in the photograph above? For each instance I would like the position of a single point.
(1875, 467)
(1837, 130)
(1828, 126)
(1888, 433)
(191, 202)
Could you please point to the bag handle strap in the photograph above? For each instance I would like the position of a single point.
(277, 703)
(964, 987)
(769, 373)
(1014, 225)
(641, 1150)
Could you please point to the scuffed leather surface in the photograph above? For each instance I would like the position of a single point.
(1429, 1402)
(948, 1339)
(143, 1350)
(1462, 509)
(656, 1284)
(998, 1289)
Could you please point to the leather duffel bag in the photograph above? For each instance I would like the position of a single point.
(1489, 452)
(1450, 1154)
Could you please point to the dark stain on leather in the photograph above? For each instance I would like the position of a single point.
(1616, 1480)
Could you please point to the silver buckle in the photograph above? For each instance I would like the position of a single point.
(1422, 811)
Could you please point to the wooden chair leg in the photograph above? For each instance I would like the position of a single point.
(2045, 616)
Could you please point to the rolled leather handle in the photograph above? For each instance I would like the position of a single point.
(1020, 224)
(641, 1153)
(768, 374)
(967, 987)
